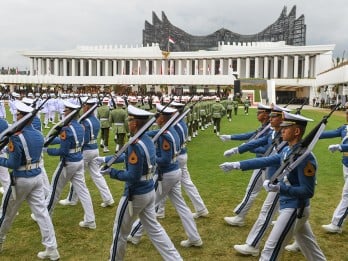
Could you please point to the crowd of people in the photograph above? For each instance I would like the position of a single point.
(151, 134)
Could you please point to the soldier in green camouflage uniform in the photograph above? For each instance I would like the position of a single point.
(118, 118)
(218, 110)
(103, 114)
(229, 106)
(246, 106)
(235, 105)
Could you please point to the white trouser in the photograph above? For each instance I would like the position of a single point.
(73, 172)
(46, 118)
(97, 177)
(269, 208)
(254, 187)
(31, 190)
(340, 212)
(4, 178)
(144, 207)
(190, 188)
(171, 187)
(45, 180)
(287, 226)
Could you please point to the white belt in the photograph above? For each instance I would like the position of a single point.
(104, 119)
(92, 142)
(146, 177)
(119, 124)
(75, 150)
(29, 166)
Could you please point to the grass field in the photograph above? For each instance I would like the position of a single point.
(220, 191)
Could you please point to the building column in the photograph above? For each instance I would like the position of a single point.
(221, 67)
(296, 66)
(306, 66)
(171, 67)
(131, 67)
(114, 67)
(147, 67)
(39, 66)
(73, 67)
(238, 67)
(90, 69)
(98, 67)
(204, 67)
(139, 68)
(82, 67)
(65, 67)
(212, 67)
(275, 67)
(187, 67)
(48, 66)
(56, 66)
(285, 66)
(123, 67)
(247, 67)
(230, 67)
(106, 68)
(265, 67)
(179, 67)
(196, 67)
(32, 66)
(257, 67)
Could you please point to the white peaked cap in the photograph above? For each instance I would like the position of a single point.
(92, 101)
(70, 105)
(138, 113)
(291, 119)
(28, 100)
(261, 106)
(176, 104)
(15, 94)
(280, 109)
(20, 106)
(167, 110)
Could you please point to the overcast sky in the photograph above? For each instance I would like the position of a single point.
(52, 25)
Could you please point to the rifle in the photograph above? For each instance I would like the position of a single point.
(113, 102)
(87, 113)
(18, 126)
(134, 138)
(125, 98)
(55, 130)
(289, 102)
(300, 152)
(165, 126)
(298, 110)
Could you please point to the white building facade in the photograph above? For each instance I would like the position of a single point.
(283, 67)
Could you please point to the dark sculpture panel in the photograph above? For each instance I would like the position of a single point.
(286, 28)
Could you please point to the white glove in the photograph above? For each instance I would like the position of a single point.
(99, 160)
(4, 150)
(225, 137)
(269, 187)
(105, 171)
(230, 152)
(227, 166)
(335, 147)
(44, 149)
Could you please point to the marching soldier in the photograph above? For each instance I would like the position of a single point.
(70, 167)
(229, 106)
(295, 190)
(256, 179)
(90, 152)
(168, 146)
(118, 117)
(25, 149)
(103, 114)
(218, 111)
(138, 199)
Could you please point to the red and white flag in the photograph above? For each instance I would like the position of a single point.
(171, 40)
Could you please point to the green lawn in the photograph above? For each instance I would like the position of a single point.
(221, 193)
